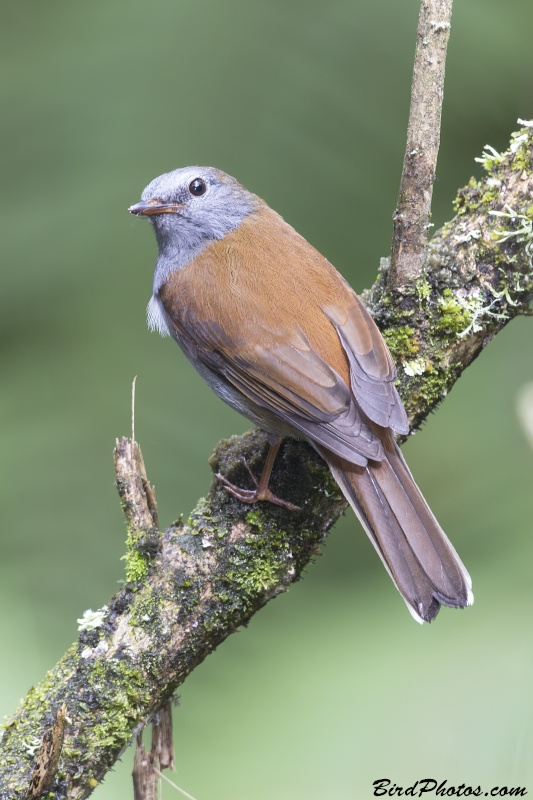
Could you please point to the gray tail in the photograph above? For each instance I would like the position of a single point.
(416, 552)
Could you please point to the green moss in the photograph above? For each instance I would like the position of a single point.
(423, 289)
(146, 610)
(468, 198)
(452, 318)
(37, 701)
(437, 383)
(71, 753)
(254, 517)
(401, 342)
(427, 390)
(136, 564)
(26, 725)
(262, 558)
(522, 160)
(477, 196)
(141, 547)
(490, 195)
(122, 701)
(200, 518)
(486, 193)
(261, 575)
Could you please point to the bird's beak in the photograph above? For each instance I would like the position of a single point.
(153, 207)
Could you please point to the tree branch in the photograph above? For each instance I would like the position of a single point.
(413, 213)
(477, 276)
(194, 584)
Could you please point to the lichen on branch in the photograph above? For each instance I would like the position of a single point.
(477, 276)
(200, 580)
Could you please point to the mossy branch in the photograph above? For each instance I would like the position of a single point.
(194, 584)
(477, 276)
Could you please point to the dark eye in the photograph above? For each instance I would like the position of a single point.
(197, 187)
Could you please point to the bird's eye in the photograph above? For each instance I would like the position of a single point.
(197, 187)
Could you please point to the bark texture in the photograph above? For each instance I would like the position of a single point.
(413, 213)
(191, 586)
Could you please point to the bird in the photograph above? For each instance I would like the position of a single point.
(279, 335)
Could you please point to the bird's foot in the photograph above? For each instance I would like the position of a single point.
(254, 495)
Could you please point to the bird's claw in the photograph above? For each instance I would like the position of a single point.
(250, 473)
(254, 495)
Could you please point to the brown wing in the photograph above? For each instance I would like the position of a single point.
(372, 371)
(289, 379)
(273, 318)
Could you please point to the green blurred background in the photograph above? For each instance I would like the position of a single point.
(332, 686)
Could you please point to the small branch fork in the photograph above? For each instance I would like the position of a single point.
(413, 213)
(148, 766)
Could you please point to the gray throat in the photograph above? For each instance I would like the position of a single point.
(167, 263)
(180, 240)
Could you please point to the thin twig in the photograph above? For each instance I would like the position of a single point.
(413, 213)
(144, 774)
(133, 409)
(158, 772)
(147, 766)
(162, 740)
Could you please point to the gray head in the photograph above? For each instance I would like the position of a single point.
(188, 209)
(193, 204)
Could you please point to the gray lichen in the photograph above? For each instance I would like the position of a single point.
(478, 276)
